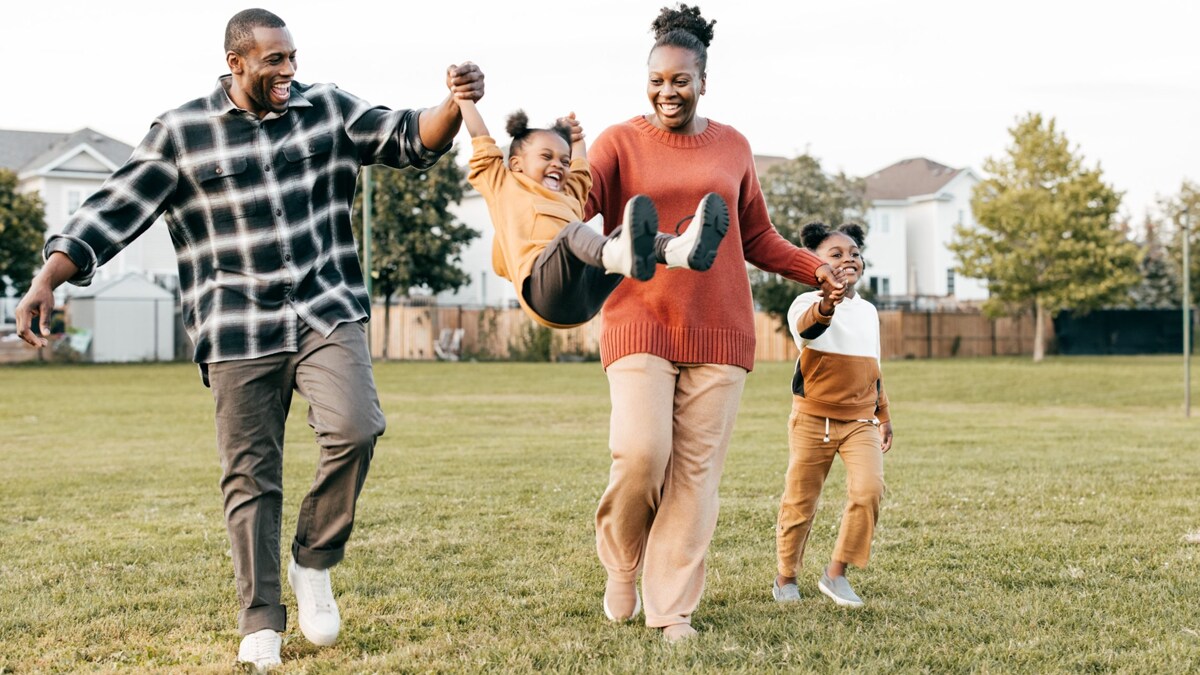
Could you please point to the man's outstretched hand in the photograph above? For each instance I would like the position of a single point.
(465, 81)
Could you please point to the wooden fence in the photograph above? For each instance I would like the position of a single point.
(498, 333)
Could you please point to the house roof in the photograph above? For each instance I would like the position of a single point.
(25, 150)
(764, 162)
(130, 286)
(909, 178)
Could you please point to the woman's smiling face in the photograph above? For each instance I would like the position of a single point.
(674, 87)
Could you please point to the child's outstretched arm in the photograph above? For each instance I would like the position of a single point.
(578, 146)
(471, 117)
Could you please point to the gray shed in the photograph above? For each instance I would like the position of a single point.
(129, 319)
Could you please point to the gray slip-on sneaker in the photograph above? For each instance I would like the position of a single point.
(838, 589)
(785, 593)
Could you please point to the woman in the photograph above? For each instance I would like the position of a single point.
(677, 348)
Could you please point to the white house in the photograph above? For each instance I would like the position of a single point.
(65, 169)
(915, 204)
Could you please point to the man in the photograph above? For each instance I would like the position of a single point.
(256, 182)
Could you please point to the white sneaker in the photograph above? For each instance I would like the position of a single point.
(838, 589)
(261, 650)
(317, 610)
(631, 252)
(696, 248)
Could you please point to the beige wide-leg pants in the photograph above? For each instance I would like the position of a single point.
(669, 434)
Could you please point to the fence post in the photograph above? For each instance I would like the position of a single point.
(929, 334)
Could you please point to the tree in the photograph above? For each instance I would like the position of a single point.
(416, 241)
(1159, 286)
(797, 193)
(1046, 238)
(1182, 211)
(22, 234)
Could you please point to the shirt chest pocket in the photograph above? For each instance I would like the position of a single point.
(309, 149)
(229, 188)
(548, 219)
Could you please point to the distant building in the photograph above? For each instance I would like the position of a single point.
(124, 319)
(915, 204)
(65, 169)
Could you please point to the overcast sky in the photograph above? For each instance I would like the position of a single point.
(858, 84)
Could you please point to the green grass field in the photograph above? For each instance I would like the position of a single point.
(1037, 520)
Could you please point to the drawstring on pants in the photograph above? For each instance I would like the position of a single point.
(873, 421)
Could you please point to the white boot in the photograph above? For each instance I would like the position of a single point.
(631, 252)
(317, 610)
(696, 248)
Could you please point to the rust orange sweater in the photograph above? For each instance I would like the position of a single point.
(682, 315)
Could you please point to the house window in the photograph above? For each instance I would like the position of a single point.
(880, 286)
(961, 220)
(884, 225)
(74, 199)
(949, 282)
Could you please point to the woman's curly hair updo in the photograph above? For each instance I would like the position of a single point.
(517, 126)
(814, 234)
(684, 27)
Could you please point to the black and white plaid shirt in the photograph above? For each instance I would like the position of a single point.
(258, 210)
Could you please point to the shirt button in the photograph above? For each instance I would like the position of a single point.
(279, 212)
(267, 169)
(218, 169)
(287, 257)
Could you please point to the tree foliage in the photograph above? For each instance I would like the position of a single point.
(1182, 214)
(416, 241)
(797, 193)
(22, 234)
(1045, 238)
(1159, 286)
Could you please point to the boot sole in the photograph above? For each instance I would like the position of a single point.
(713, 217)
(642, 219)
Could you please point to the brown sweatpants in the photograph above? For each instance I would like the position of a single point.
(669, 434)
(252, 400)
(809, 458)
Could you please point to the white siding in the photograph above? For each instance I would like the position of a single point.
(130, 319)
(485, 287)
(886, 251)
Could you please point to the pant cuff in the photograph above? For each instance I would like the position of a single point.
(623, 577)
(255, 619)
(314, 559)
(664, 621)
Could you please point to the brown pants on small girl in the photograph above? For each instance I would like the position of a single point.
(810, 456)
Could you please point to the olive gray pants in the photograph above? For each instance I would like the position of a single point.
(252, 400)
(568, 285)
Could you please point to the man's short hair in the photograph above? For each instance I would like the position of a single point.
(239, 32)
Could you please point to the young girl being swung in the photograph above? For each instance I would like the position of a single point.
(564, 269)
